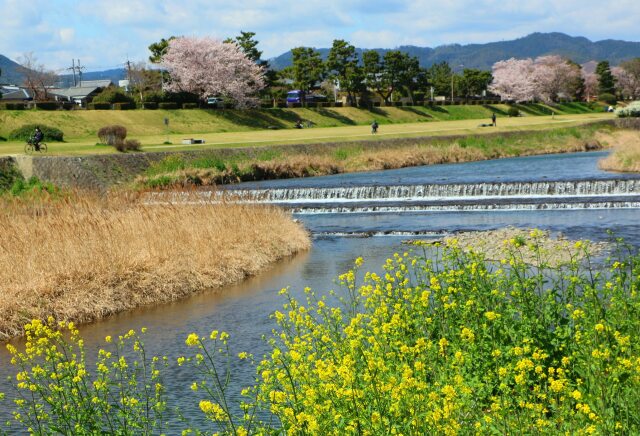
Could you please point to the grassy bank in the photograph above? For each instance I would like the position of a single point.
(85, 258)
(274, 163)
(80, 127)
(626, 153)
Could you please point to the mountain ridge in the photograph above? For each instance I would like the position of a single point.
(578, 48)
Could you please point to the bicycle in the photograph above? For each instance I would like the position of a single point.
(30, 148)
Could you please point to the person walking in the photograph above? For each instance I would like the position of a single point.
(374, 127)
(493, 119)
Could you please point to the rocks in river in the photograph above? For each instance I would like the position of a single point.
(534, 246)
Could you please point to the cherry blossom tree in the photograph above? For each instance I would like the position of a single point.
(547, 78)
(513, 80)
(590, 84)
(628, 84)
(554, 77)
(209, 67)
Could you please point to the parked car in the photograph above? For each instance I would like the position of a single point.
(215, 102)
(296, 96)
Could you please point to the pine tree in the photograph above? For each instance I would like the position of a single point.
(606, 81)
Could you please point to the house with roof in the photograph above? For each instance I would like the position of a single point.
(13, 94)
(83, 93)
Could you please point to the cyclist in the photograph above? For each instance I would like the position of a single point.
(38, 136)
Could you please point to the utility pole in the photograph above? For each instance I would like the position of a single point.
(79, 68)
(73, 70)
(453, 74)
(128, 63)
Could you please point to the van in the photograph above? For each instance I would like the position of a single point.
(296, 96)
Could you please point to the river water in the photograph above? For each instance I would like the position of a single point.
(370, 214)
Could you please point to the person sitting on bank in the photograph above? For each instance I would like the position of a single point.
(298, 124)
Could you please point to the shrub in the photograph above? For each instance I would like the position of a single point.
(99, 106)
(23, 187)
(112, 135)
(189, 105)
(128, 145)
(513, 111)
(150, 105)
(168, 105)
(47, 105)
(632, 110)
(608, 98)
(112, 94)
(9, 174)
(26, 132)
(123, 106)
(15, 106)
(181, 97)
(155, 97)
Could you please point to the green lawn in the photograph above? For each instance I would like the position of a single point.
(264, 127)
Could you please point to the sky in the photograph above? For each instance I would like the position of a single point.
(104, 34)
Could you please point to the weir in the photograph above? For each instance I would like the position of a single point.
(442, 191)
(535, 195)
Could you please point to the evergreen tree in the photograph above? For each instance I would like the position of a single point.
(440, 78)
(342, 64)
(606, 81)
(307, 69)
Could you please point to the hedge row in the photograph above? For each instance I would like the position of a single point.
(25, 133)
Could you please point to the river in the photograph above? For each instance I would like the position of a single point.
(370, 214)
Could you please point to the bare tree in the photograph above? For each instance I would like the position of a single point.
(37, 79)
(144, 80)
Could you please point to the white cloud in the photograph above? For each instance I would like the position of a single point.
(66, 35)
(105, 33)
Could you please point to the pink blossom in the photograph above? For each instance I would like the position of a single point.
(513, 80)
(209, 67)
(626, 82)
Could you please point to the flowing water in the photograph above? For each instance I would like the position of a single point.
(370, 214)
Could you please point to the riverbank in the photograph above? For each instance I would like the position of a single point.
(335, 158)
(85, 258)
(626, 153)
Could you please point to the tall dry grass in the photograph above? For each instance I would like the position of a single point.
(361, 158)
(85, 258)
(626, 151)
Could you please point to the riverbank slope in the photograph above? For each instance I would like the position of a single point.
(84, 258)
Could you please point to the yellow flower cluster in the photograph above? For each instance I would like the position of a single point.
(435, 349)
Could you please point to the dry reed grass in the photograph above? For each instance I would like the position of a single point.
(626, 151)
(414, 156)
(85, 258)
(364, 159)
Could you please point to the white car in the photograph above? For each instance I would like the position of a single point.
(215, 102)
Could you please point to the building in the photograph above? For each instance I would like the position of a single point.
(81, 94)
(14, 94)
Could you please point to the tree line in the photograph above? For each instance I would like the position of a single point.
(190, 69)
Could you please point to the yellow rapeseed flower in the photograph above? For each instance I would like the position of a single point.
(192, 340)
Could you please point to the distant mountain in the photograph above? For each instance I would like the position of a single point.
(12, 75)
(113, 75)
(483, 56)
(10, 71)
